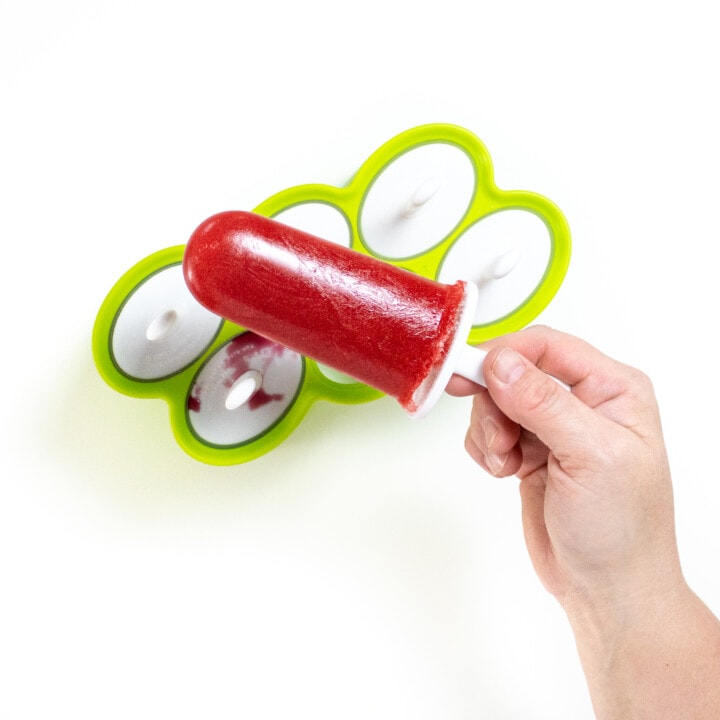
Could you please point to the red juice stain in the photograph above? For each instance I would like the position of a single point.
(193, 403)
(249, 351)
(262, 398)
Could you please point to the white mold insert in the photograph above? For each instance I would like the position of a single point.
(417, 200)
(319, 219)
(506, 255)
(243, 389)
(161, 328)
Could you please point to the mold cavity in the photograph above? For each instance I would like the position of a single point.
(162, 325)
(243, 389)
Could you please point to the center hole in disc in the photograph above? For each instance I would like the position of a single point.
(162, 325)
(243, 389)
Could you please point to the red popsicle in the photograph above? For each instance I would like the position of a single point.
(385, 326)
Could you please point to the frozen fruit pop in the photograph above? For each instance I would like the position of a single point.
(388, 327)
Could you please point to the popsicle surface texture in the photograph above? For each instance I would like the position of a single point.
(385, 326)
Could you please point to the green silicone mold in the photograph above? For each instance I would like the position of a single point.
(425, 201)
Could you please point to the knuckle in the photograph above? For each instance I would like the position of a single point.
(542, 396)
(639, 388)
(639, 379)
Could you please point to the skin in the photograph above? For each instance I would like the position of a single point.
(598, 519)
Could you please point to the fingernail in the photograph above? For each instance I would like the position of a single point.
(508, 366)
(490, 429)
(495, 462)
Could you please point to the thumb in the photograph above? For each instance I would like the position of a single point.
(540, 404)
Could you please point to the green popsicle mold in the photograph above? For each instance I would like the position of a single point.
(142, 348)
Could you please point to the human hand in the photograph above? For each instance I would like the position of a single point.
(597, 507)
(595, 485)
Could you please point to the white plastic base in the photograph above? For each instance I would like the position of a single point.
(416, 200)
(161, 328)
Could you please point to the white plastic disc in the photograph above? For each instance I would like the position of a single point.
(319, 219)
(243, 389)
(161, 328)
(417, 200)
(506, 255)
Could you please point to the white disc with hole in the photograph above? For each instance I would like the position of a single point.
(417, 200)
(506, 255)
(243, 389)
(161, 328)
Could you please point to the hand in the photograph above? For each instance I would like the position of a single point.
(594, 477)
(598, 518)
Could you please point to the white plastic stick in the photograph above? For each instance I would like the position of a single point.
(470, 363)
(422, 195)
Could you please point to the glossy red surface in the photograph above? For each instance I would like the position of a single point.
(387, 327)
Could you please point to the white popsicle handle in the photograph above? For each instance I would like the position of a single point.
(470, 366)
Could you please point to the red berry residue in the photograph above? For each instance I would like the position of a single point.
(245, 352)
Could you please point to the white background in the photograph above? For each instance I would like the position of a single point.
(366, 568)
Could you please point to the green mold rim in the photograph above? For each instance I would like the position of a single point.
(487, 199)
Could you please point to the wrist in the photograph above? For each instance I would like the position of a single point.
(604, 616)
(649, 654)
(620, 592)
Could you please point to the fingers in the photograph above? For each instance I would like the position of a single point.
(521, 393)
(500, 445)
(532, 399)
(594, 377)
(564, 356)
(492, 437)
(460, 386)
(606, 396)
